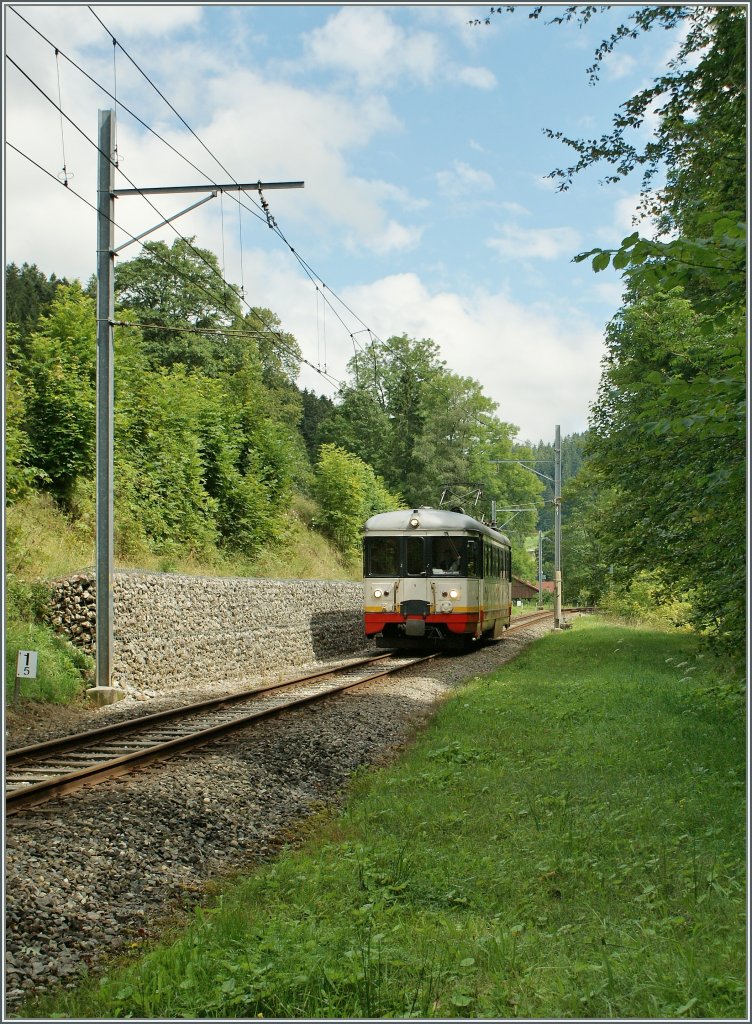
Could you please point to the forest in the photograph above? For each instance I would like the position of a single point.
(215, 443)
(221, 458)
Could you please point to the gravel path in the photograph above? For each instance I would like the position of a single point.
(101, 871)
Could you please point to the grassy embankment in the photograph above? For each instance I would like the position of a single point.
(44, 545)
(565, 840)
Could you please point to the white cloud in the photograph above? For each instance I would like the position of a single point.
(541, 365)
(459, 21)
(479, 78)
(463, 178)
(393, 237)
(627, 216)
(79, 27)
(546, 183)
(619, 65)
(611, 292)
(260, 129)
(515, 208)
(365, 43)
(529, 361)
(626, 219)
(537, 243)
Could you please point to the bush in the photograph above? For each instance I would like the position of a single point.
(644, 601)
(60, 665)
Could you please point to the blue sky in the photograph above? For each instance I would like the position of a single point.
(426, 208)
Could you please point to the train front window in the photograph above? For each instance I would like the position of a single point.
(382, 556)
(415, 558)
(446, 556)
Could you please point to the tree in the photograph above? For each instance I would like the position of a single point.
(668, 427)
(59, 397)
(182, 287)
(317, 410)
(348, 492)
(421, 427)
(20, 472)
(28, 296)
(668, 434)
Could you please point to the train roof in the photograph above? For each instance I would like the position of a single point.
(430, 519)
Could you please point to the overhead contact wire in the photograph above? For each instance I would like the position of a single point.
(267, 218)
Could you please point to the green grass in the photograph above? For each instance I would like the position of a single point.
(63, 670)
(60, 667)
(566, 839)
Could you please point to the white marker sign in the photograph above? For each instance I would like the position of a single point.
(26, 664)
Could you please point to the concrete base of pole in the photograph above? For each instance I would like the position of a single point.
(101, 695)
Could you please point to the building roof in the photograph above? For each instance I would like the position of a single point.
(547, 585)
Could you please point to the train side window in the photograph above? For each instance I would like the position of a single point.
(473, 559)
(382, 556)
(509, 569)
(415, 557)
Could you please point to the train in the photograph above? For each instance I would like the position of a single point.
(435, 577)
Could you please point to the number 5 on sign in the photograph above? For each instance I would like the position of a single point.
(26, 665)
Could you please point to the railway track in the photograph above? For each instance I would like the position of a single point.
(44, 771)
(55, 768)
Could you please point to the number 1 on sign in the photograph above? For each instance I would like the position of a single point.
(26, 664)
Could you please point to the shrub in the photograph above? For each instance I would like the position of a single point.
(60, 667)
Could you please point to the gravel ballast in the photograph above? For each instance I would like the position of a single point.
(101, 871)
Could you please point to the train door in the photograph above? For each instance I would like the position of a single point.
(414, 599)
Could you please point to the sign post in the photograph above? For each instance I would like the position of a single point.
(26, 668)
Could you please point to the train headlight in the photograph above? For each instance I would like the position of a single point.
(414, 522)
(446, 606)
(454, 594)
(377, 593)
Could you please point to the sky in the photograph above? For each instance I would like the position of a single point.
(427, 208)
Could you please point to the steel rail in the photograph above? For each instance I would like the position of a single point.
(70, 742)
(529, 620)
(47, 789)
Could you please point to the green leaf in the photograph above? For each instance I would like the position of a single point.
(580, 257)
(601, 261)
(621, 259)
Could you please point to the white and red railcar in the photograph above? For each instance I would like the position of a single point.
(431, 575)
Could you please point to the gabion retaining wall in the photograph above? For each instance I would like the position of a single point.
(171, 630)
